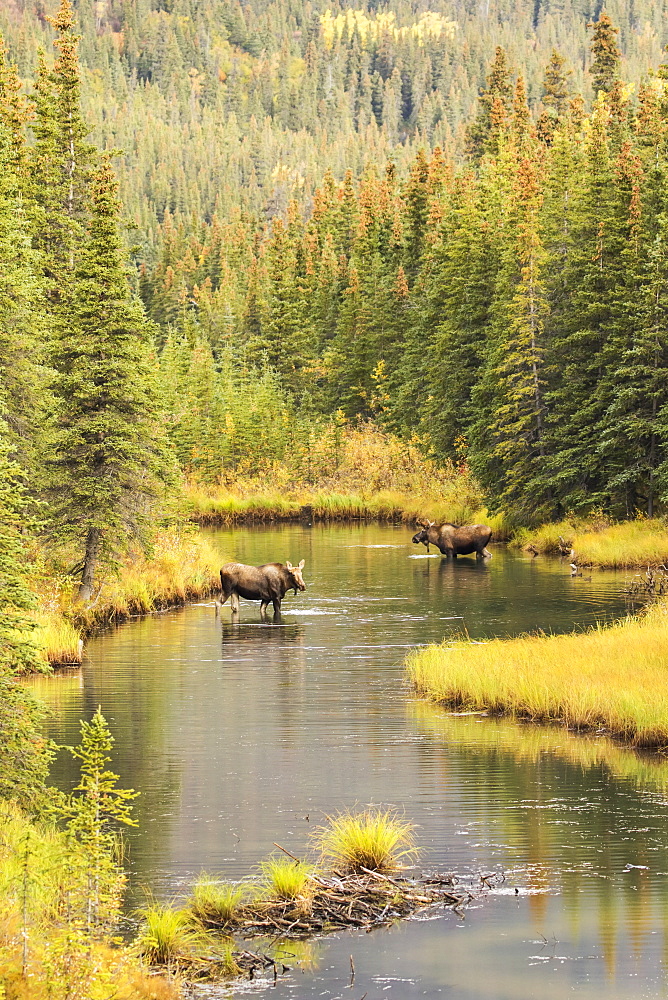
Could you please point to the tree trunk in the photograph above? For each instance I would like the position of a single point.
(90, 562)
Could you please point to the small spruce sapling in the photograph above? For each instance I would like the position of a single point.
(94, 810)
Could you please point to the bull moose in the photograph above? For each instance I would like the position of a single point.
(267, 584)
(455, 540)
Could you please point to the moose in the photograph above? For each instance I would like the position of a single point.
(455, 540)
(267, 584)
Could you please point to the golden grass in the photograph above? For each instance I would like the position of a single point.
(348, 473)
(285, 879)
(597, 542)
(613, 678)
(166, 935)
(215, 902)
(182, 567)
(376, 839)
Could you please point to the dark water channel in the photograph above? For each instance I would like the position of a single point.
(239, 735)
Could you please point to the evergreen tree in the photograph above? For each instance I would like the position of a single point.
(555, 85)
(508, 438)
(25, 752)
(495, 101)
(94, 810)
(605, 54)
(106, 443)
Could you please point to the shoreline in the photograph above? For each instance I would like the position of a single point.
(182, 568)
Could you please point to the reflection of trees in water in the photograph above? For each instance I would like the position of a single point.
(570, 809)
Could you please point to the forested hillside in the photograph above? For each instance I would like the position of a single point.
(229, 107)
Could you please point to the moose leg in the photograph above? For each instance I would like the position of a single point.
(234, 602)
(263, 608)
(276, 601)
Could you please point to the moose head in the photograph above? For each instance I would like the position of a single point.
(296, 579)
(423, 534)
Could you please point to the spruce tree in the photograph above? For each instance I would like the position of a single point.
(605, 54)
(555, 85)
(25, 752)
(495, 101)
(106, 447)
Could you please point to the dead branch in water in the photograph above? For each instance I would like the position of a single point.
(652, 583)
(365, 900)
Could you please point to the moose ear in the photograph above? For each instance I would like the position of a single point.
(288, 565)
(302, 563)
(431, 524)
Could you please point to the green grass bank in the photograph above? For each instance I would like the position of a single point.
(613, 678)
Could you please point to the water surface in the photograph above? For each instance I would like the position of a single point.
(239, 735)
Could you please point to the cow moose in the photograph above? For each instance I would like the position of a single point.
(267, 584)
(455, 540)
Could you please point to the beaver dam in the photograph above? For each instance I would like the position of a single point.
(365, 888)
(361, 901)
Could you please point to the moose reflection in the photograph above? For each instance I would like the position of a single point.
(455, 540)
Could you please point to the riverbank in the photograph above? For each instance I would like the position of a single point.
(241, 505)
(611, 679)
(181, 567)
(599, 542)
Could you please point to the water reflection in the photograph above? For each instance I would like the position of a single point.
(242, 734)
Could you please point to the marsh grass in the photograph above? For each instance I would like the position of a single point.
(598, 542)
(216, 903)
(349, 473)
(609, 677)
(60, 641)
(376, 839)
(167, 935)
(284, 879)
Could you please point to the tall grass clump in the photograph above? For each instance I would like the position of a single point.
(285, 879)
(166, 935)
(376, 839)
(216, 903)
(612, 677)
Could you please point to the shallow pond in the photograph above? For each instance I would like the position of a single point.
(239, 735)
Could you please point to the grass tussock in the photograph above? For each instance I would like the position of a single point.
(167, 936)
(610, 677)
(285, 879)
(214, 902)
(598, 542)
(377, 840)
(182, 566)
